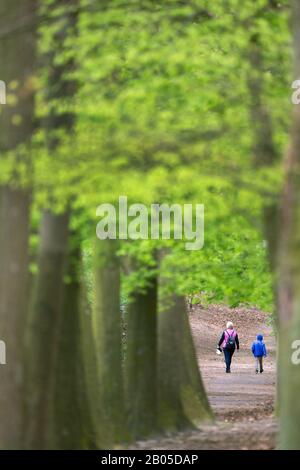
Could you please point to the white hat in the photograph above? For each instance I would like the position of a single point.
(229, 325)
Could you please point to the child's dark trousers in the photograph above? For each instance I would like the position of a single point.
(259, 364)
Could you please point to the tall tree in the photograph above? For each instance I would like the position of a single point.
(47, 305)
(70, 405)
(109, 406)
(141, 360)
(182, 398)
(90, 404)
(43, 333)
(289, 273)
(17, 69)
(265, 154)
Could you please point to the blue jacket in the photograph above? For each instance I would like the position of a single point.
(259, 347)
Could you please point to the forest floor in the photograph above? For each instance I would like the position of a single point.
(243, 402)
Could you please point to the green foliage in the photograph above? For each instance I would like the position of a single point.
(162, 115)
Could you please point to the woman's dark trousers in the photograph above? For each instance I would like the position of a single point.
(228, 356)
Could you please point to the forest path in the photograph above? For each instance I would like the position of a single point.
(243, 402)
(241, 394)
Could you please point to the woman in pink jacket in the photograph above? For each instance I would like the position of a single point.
(227, 343)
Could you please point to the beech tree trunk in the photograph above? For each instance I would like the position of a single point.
(17, 67)
(265, 153)
(69, 392)
(182, 398)
(90, 402)
(289, 275)
(48, 309)
(141, 362)
(107, 330)
(43, 336)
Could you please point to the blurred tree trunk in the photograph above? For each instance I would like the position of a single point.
(289, 273)
(69, 400)
(17, 67)
(90, 402)
(43, 335)
(107, 331)
(47, 302)
(265, 153)
(141, 361)
(182, 398)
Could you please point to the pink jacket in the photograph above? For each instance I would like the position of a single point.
(228, 333)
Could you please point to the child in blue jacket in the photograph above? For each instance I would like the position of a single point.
(259, 351)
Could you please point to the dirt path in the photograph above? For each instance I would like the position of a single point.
(243, 402)
(241, 394)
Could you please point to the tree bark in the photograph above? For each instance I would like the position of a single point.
(141, 362)
(43, 333)
(182, 398)
(69, 392)
(48, 309)
(289, 274)
(13, 305)
(107, 330)
(264, 150)
(17, 66)
(90, 403)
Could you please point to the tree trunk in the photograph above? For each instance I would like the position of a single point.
(289, 275)
(182, 398)
(107, 331)
(141, 362)
(13, 306)
(265, 153)
(17, 52)
(48, 310)
(90, 402)
(69, 393)
(289, 299)
(42, 342)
